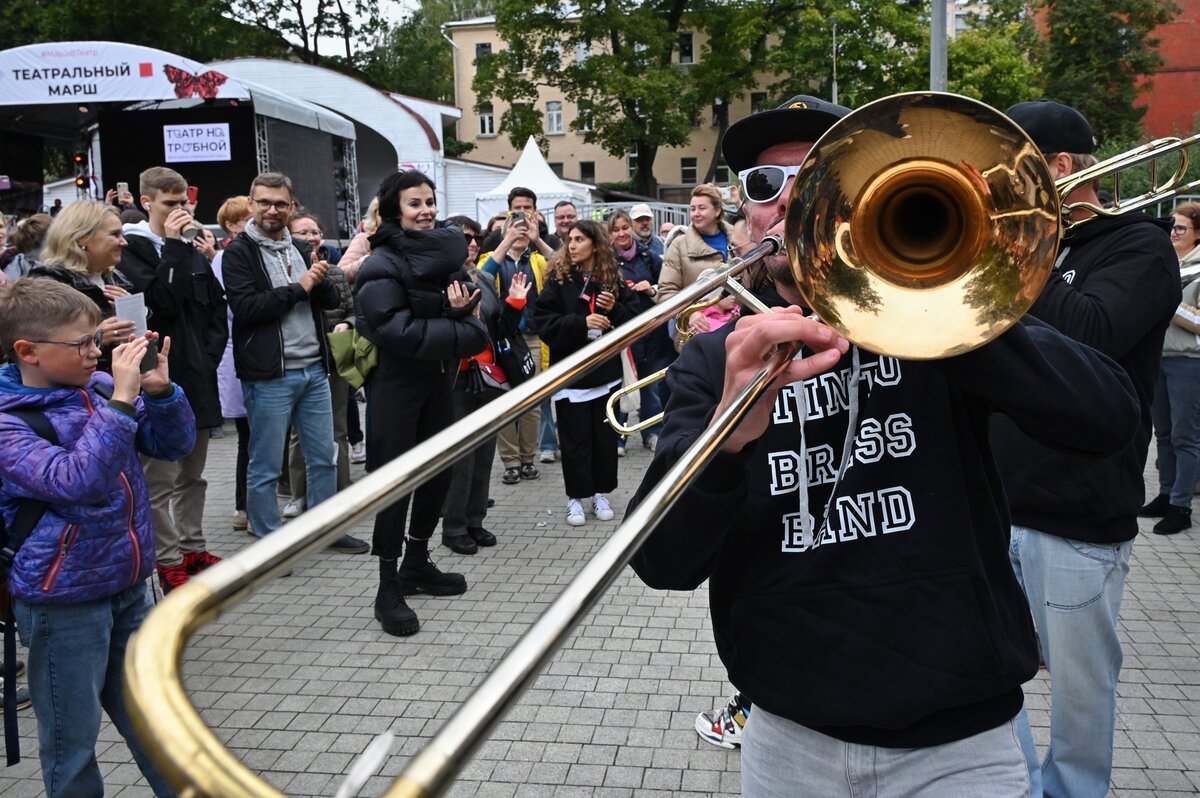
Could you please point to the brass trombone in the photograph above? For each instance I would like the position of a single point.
(886, 238)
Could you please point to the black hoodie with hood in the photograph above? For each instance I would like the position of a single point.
(1116, 288)
(906, 626)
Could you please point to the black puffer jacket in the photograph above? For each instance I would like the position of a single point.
(401, 303)
(188, 305)
(561, 318)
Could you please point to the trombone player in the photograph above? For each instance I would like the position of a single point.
(1115, 288)
(854, 530)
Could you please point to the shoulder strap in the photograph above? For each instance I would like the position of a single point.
(29, 512)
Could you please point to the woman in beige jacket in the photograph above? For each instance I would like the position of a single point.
(704, 246)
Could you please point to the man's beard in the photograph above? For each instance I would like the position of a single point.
(272, 228)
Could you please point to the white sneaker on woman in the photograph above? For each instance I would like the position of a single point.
(575, 515)
(601, 508)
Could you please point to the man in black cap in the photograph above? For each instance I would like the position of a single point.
(1115, 288)
(852, 528)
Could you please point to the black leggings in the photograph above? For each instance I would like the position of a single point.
(589, 448)
(402, 411)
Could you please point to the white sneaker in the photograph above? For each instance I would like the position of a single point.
(358, 453)
(575, 515)
(601, 508)
(651, 443)
(547, 456)
(294, 508)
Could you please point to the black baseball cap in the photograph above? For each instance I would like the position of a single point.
(802, 118)
(1054, 127)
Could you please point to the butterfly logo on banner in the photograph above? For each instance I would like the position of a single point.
(187, 85)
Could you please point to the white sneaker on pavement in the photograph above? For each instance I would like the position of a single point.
(358, 453)
(575, 515)
(601, 507)
(294, 508)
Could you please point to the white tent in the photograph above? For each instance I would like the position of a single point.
(531, 171)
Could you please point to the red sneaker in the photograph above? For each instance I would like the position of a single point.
(171, 577)
(197, 561)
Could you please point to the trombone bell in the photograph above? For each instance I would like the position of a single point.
(922, 225)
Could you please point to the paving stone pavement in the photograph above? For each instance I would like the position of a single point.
(298, 679)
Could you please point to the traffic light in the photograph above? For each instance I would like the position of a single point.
(81, 170)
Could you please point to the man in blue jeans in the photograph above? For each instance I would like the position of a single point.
(1114, 288)
(277, 292)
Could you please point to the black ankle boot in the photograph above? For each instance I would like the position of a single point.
(1176, 519)
(390, 610)
(1157, 508)
(418, 574)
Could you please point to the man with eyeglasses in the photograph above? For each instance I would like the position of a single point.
(565, 215)
(852, 529)
(643, 228)
(277, 291)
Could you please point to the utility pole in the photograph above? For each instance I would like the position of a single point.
(835, 97)
(937, 47)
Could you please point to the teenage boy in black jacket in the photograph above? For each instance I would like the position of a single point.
(278, 293)
(186, 304)
(1115, 288)
(892, 654)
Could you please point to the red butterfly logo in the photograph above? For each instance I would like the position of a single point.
(186, 84)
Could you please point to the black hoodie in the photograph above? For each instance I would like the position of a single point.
(1116, 288)
(906, 627)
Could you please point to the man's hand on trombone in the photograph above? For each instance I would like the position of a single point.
(749, 346)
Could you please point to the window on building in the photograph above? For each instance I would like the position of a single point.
(722, 173)
(587, 171)
(582, 51)
(758, 102)
(482, 50)
(719, 112)
(687, 48)
(631, 162)
(695, 119)
(688, 171)
(556, 167)
(554, 117)
(487, 120)
(584, 116)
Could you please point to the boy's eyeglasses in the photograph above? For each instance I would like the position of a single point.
(83, 346)
(765, 183)
(1180, 229)
(266, 205)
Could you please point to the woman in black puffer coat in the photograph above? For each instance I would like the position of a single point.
(413, 303)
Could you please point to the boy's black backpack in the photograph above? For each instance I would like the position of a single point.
(28, 514)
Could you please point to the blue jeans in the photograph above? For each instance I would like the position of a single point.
(1176, 415)
(75, 668)
(548, 434)
(781, 759)
(1074, 591)
(300, 398)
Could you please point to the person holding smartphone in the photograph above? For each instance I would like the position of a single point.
(583, 298)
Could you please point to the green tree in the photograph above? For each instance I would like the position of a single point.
(880, 44)
(303, 25)
(1096, 53)
(196, 29)
(992, 66)
(615, 60)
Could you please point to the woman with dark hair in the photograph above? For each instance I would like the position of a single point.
(584, 296)
(414, 304)
(26, 246)
(1176, 407)
(640, 269)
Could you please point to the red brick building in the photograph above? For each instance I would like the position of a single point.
(1173, 100)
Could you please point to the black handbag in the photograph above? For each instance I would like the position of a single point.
(513, 355)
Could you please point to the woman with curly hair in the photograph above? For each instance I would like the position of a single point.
(584, 296)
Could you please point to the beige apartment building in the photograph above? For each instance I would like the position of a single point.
(677, 168)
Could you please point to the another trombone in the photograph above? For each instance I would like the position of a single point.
(921, 226)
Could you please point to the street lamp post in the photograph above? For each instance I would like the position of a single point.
(937, 47)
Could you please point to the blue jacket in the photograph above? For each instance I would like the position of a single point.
(95, 538)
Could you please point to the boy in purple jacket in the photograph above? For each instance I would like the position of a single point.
(79, 579)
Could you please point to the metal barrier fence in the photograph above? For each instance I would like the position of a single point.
(663, 211)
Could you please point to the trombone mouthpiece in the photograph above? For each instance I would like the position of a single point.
(776, 244)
